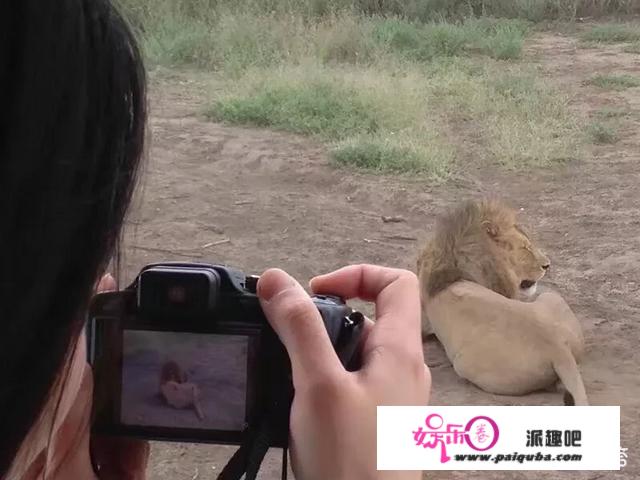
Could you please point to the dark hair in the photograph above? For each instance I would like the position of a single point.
(72, 128)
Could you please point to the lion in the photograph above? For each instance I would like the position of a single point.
(171, 372)
(177, 391)
(479, 277)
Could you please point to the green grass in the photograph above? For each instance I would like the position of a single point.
(421, 42)
(612, 33)
(413, 10)
(317, 108)
(387, 156)
(372, 120)
(614, 82)
(501, 39)
(506, 43)
(230, 39)
(601, 133)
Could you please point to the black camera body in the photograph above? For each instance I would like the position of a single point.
(186, 354)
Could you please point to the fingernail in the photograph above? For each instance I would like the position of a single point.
(311, 282)
(272, 283)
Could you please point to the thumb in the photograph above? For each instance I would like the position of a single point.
(298, 323)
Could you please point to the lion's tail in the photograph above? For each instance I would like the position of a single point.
(567, 370)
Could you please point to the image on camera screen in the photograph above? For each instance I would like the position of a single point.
(184, 380)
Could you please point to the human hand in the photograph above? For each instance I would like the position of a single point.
(333, 416)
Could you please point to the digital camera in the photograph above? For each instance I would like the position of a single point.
(186, 354)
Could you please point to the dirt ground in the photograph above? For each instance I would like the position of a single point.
(257, 199)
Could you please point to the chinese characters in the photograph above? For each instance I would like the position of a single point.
(554, 438)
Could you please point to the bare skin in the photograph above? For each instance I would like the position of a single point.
(333, 417)
(72, 450)
(506, 346)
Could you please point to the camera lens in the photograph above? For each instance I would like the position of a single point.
(355, 318)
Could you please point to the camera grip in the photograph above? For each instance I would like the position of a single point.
(344, 327)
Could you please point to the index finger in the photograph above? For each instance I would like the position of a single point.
(300, 327)
(395, 292)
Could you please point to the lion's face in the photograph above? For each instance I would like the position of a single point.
(528, 263)
(482, 242)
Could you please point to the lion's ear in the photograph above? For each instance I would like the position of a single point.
(491, 228)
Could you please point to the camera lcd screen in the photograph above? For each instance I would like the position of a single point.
(184, 380)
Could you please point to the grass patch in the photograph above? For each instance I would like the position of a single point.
(419, 42)
(229, 43)
(319, 108)
(601, 133)
(397, 118)
(520, 121)
(233, 42)
(614, 82)
(233, 37)
(416, 87)
(632, 48)
(612, 113)
(344, 39)
(388, 156)
(500, 39)
(413, 10)
(506, 42)
(612, 33)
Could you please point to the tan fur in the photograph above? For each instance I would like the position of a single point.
(171, 372)
(176, 391)
(480, 241)
(503, 345)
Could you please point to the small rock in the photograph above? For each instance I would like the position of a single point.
(393, 219)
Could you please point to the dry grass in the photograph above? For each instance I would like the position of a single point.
(397, 118)
(385, 92)
(614, 82)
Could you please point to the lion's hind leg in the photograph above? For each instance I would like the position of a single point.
(196, 402)
(567, 370)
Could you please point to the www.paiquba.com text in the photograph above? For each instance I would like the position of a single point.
(518, 457)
